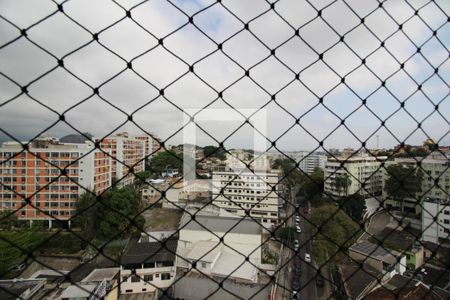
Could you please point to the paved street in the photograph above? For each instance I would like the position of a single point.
(308, 287)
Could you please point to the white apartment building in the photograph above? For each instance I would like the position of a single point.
(308, 162)
(254, 191)
(52, 175)
(435, 184)
(363, 171)
(432, 230)
(147, 266)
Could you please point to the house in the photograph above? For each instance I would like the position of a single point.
(214, 248)
(405, 288)
(148, 264)
(378, 257)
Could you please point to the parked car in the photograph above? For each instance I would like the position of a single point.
(299, 230)
(296, 245)
(295, 285)
(297, 219)
(307, 257)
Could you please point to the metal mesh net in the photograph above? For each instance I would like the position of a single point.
(367, 222)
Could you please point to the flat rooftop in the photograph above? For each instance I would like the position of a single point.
(218, 224)
(375, 251)
(139, 253)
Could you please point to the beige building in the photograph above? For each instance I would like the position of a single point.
(128, 156)
(363, 171)
(252, 191)
(435, 184)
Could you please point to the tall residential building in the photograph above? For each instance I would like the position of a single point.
(255, 191)
(128, 153)
(363, 172)
(435, 183)
(308, 162)
(35, 175)
(148, 145)
(435, 229)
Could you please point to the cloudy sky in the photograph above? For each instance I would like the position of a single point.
(293, 56)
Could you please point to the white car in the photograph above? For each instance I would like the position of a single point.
(297, 218)
(296, 245)
(299, 230)
(307, 257)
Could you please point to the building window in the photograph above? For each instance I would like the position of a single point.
(165, 276)
(148, 278)
(135, 278)
(446, 221)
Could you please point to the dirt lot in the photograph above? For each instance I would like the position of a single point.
(160, 219)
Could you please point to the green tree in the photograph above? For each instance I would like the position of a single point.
(312, 185)
(88, 215)
(121, 206)
(342, 183)
(112, 214)
(403, 182)
(353, 205)
(213, 151)
(8, 219)
(141, 177)
(335, 231)
(166, 159)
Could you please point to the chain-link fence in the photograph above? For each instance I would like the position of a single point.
(126, 215)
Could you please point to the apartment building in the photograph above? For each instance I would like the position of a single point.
(256, 191)
(308, 162)
(128, 156)
(435, 229)
(435, 184)
(363, 172)
(52, 176)
(148, 145)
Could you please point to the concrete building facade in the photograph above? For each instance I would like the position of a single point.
(433, 231)
(363, 171)
(128, 155)
(435, 185)
(255, 191)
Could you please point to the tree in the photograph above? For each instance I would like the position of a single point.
(353, 205)
(8, 219)
(335, 231)
(111, 214)
(213, 151)
(88, 215)
(313, 184)
(403, 182)
(342, 183)
(121, 206)
(141, 177)
(166, 159)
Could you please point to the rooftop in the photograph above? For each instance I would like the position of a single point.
(78, 291)
(138, 253)
(401, 287)
(16, 289)
(99, 275)
(206, 251)
(375, 251)
(219, 224)
(357, 279)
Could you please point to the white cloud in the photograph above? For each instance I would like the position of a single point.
(24, 62)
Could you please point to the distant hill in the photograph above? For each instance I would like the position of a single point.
(75, 138)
